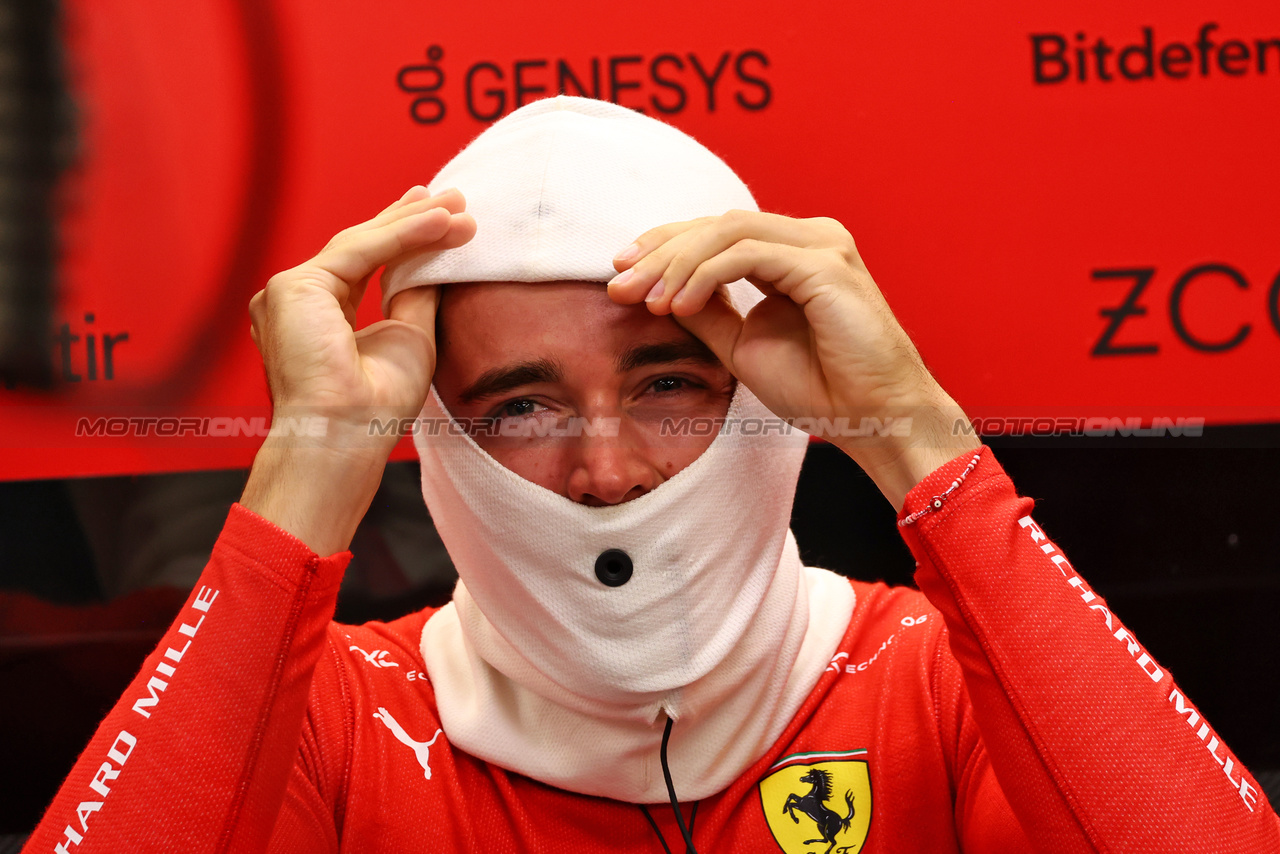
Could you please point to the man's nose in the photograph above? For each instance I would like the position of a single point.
(610, 470)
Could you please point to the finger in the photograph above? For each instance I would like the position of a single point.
(645, 281)
(357, 254)
(417, 306)
(733, 234)
(462, 229)
(415, 201)
(257, 307)
(405, 356)
(257, 315)
(417, 191)
(785, 268)
(635, 282)
(719, 326)
(776, 227)
(687, 245)
(653, 238)
(354, 297)
(418, 199)
(412, 204)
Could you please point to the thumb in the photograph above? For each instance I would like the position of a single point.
(417, 306)
(400, 359)
(718, 325)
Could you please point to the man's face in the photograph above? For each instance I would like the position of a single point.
(538, 356)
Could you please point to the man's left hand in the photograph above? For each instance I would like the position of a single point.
(822, 344)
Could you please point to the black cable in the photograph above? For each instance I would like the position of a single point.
(671, 790)
(657, 831)
(693, 815)
(686, 832)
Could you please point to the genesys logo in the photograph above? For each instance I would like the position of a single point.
(661, 83)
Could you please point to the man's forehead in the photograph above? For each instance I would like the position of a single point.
(525, 291)
(556, 312)
(493, 324)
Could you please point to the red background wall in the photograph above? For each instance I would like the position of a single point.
(223, 141)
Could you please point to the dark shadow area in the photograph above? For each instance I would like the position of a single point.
(94, 570)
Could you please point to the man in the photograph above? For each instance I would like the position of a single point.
(633, 626)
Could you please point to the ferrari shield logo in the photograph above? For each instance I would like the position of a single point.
(818, 803)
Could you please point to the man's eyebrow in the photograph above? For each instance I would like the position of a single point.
(498, 380)
(640, 355)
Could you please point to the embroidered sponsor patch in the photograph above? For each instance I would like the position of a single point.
(818, 803)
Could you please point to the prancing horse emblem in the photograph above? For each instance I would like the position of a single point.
(814, 805)
(421, 749)
(801, 800)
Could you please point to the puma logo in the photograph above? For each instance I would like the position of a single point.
(421, 749)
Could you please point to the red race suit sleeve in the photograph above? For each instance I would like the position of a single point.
(197, 753)
(1094, 745)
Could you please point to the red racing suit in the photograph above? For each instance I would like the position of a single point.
(1003, 708)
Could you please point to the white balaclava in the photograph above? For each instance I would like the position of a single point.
(538, 665)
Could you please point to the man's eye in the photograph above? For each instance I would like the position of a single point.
(517, 409)
(668, 384)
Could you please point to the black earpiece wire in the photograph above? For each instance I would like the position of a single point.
(686, 832)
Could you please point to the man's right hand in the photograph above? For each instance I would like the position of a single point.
(318, 365)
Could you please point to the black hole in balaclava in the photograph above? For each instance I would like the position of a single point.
(613, 567)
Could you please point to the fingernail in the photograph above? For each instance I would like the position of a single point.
(656, 292)
(621, 277)
(627, 254)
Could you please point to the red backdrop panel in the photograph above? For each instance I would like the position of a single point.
(1071, 210)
